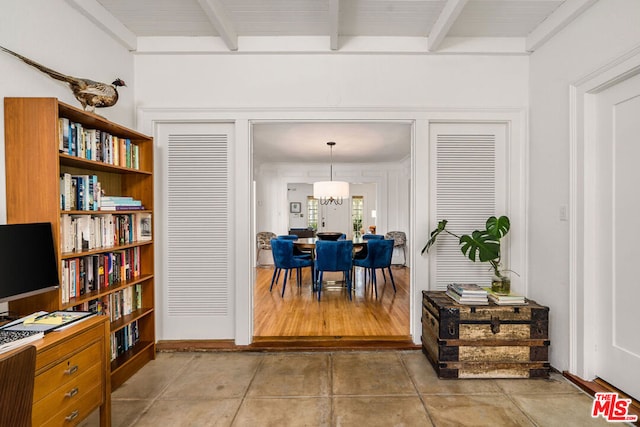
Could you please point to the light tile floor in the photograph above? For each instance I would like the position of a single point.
(359, 388)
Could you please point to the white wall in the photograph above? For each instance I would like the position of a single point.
(604, 32)
(330, 80)
(299, 192)
(296, 192)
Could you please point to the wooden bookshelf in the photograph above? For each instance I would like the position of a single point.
(33, 166)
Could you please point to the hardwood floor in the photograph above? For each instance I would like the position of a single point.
(300, 315)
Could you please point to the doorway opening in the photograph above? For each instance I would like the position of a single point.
(375, 158)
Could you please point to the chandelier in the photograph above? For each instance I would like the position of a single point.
(331, 192)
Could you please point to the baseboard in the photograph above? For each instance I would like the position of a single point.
(293, 344)
(598, 385)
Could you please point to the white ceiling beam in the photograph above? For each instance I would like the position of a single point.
(320, 45)
(104, 20)
(559, 19)
(334, 23)
(447, 17)
(223, 25)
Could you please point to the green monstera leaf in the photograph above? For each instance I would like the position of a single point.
(480, 246)
(434, 235)
(498, 227)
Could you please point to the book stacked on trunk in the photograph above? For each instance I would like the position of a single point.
(510, 299)
(467, 293)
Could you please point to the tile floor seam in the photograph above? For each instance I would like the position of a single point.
(160, 392)
(525, 413)
(415, 386)
(377, 395)
(144, 411)
(331, 394)
(246, 391)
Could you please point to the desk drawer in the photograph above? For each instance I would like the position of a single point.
(67, 370)
(70, 396)
(52, 354)
(71, 415)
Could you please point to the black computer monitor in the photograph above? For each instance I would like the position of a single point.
(28, 263)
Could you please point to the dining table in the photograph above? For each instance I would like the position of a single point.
(308, 244)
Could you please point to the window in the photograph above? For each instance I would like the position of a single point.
(357, 204)
(312, 213)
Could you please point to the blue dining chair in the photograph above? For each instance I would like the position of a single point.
(333, 256)
(362, 253)
(296, 252)
(284, 259)
(372, 236)
(379, 252)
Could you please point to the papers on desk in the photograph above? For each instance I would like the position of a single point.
(43, 321)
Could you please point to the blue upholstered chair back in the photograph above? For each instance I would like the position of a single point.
(379, 252)
(283, 253)
(372, 237)
(288, 237)
(334, 255)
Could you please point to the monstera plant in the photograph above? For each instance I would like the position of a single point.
(482, 246)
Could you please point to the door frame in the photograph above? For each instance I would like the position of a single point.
(582, 238)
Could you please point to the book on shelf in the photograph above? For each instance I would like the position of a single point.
(97, 145)
(143, 226)
(121, 208)
(510, 299)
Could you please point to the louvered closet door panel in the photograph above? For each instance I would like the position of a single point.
(469, 162)
(197, 291)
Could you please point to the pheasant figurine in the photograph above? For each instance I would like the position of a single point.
(91, 94)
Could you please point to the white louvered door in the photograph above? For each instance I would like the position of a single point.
(196, 259)
(469, 184)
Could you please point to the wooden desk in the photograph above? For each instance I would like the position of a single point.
(72, 374)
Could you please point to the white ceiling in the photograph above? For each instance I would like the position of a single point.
(506, 27)
(429, 26)
(356, 142)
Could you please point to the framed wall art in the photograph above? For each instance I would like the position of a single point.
(295, 207)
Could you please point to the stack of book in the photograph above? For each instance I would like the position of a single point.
(117, 203)
(467, 293)
(510, 299)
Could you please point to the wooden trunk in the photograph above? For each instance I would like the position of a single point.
(490, 341)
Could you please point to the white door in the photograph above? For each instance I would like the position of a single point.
(335, 217)
(195, 293)
(617, 203)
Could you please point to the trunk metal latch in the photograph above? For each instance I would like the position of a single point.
(495, 324)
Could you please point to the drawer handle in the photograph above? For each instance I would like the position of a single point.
(72, 416)
(72, 370)
(71, 392)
